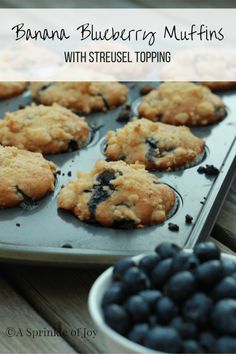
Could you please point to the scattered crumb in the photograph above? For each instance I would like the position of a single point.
(203, 202)
(146, 89)
(63, 174)
(188, 219)
(58, 172)
(125, 114)
(69, 174)
(21, 106)
(208, 170)
(173, 227)
(17, 224)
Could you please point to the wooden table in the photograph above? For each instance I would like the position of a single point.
(34, 299)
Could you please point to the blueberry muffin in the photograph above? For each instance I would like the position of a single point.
(219, 85)
(24, 175)
(43, 129)
(182, 103)
(158, 146)
(84, 97)
(11, 89)
(116, 194)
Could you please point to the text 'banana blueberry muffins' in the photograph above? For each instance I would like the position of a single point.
(43, 129)
(158, 146)
(182, 103)
(11, 89)
(118, 195)
(84, 97)
(24, 175)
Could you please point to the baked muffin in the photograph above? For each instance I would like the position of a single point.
(11, 89)
(119, 195)
(182, 103)
(158, 146)
(84, 97)
(24, 175)
(43, 129)
(219, 85)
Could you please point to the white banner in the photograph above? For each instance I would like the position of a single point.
(117, 44)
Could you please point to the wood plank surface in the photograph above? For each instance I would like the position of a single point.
(60, 296)
(225, 228)
(19, 322)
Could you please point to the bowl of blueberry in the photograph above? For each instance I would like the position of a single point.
(171, 301)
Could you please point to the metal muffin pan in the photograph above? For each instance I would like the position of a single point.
(48, 235)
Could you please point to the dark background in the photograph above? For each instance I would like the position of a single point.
(118, 3)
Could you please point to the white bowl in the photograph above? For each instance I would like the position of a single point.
(113, 341)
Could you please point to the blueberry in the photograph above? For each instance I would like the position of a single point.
(147, 263)
(166, 309)
(161, 273)
(207, 341)
(164, 339)
(117, 318)
(114, 295)
(138, 308)
(223, 317)
(208, 273)
(226, 288)
(152, 320)
(135, 280)
(151, 297)
(192, 346)
(229, 266)
(121, 266)
(180, 286)
(186, 329)
(138, 333)
(197, 309)
(206, 251)
(167, 249)
(185, 261)
(225, 345)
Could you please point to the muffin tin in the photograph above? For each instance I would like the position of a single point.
(38, 232)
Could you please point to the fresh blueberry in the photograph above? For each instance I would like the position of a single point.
(114, 295)
(164, 339)
(166, 309)
(161, 273)
(225, 345)
(223, 317)
(153, 320)
(186, 329)
(185, 261)
(226, 288)
(206, 251)
(121, 266)
(197, 309)
(117, 318)
(138, 308)
(207, 341)
(209, 273)
(233, 275)
(151, 297)
(192, 346)
(138, 333)
(167, 250)
(229, 266)
(180, 286)
(147, 263)
(135, 280)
